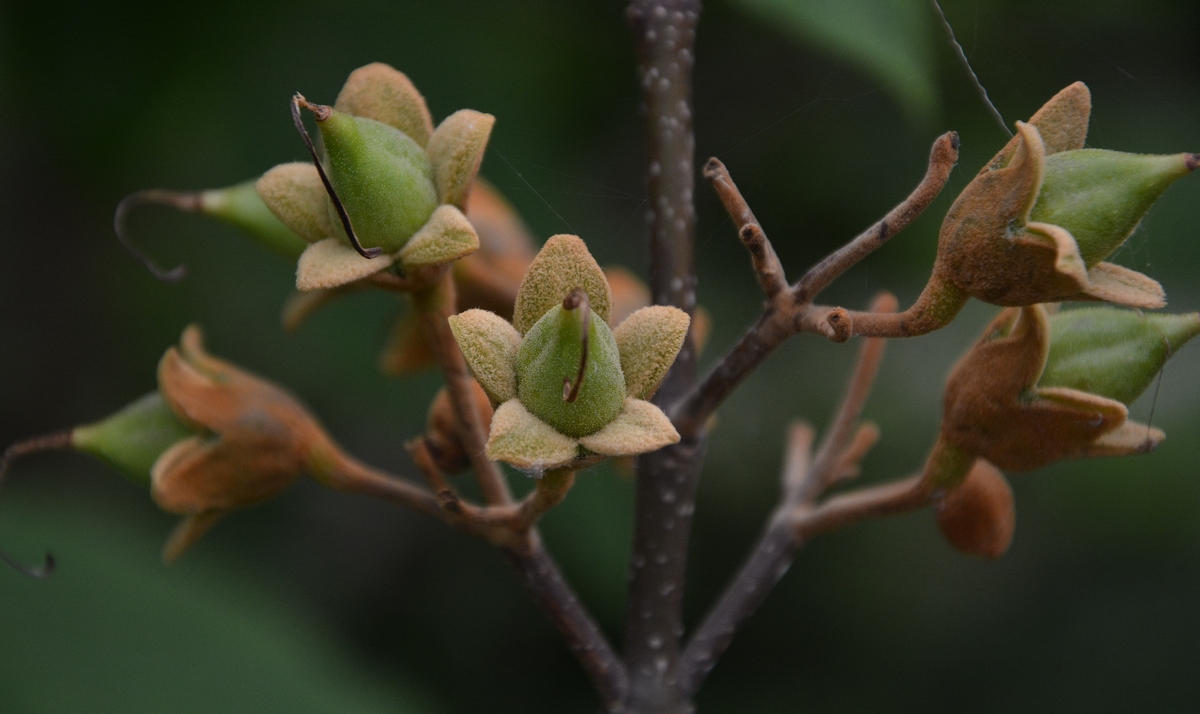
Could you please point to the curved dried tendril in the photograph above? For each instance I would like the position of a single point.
(187, 202)
(322, 112)
(578, 298)
(49, 442)
(44, 570)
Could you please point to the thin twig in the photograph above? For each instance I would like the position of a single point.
(804, 480)
(508, 527)
(773, 555)
(784, 318)
(776, 324)
(435, 306)
(516, 536)
(942, 158)
(584, 638)
(847, 466)
(548, 492)
(339, 470)
(966, 63)
(841, 431)
(797, 457)
(767, 267)
(418, 449)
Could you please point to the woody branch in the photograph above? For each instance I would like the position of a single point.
(664, 33)
(511, 528)
(800, 515)
(791, 311)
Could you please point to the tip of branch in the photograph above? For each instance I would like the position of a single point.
(752, 235)
(840, 325)
(945, 149)
(713, 167)
(1192, 161)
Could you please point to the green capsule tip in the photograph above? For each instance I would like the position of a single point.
(1113, 353)
(1101, 196)
(569, 369)
(133, 438)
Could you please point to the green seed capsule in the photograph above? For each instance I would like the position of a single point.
(1100, 196)
(1113, 353)
(241, 207)
(383, 178)
(548, 364)
(133, 438)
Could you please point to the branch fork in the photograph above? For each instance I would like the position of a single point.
(801, 514)
(790, 309)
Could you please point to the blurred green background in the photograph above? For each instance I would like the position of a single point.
(322, 602)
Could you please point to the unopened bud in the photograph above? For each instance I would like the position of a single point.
(977, 516)
(1035, 225)
(557, 372)
(441, 430)
(380, 92)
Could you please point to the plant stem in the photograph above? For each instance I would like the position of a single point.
(513, 531)
(521, 544)
(665, 32)
(435, 305)
(586, 641)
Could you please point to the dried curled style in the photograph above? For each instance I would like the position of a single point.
(49, 442)
(577, 299)
(322, 112)
(186, 202)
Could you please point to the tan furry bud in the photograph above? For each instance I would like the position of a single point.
(380, 92)
(441, 430)
(456, 150)
(562, 265)
(296, 196)
(977, 516)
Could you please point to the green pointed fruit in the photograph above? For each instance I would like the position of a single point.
(1100, 196)
(1113, 353)
(241, 207)
(383, 178)
(133, 438)
(548, 369)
